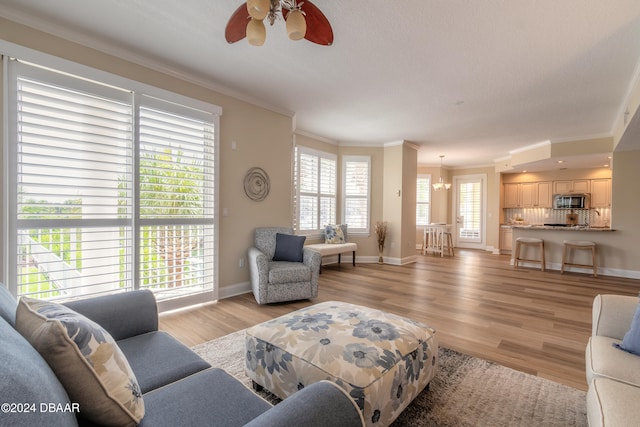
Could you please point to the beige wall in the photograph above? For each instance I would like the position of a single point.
(392, 201)
(399, 201)
(625, 203)
(409, 186)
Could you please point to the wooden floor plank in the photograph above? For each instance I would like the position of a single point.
(536, 322)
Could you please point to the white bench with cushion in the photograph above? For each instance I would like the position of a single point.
(328, 249)
(335, 243)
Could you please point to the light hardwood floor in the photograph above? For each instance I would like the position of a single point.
(536, 322)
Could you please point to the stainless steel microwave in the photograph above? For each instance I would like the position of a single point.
(571, 201)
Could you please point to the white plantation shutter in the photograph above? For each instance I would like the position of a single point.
(356, 184)
(423, 199)
(110, 194)
(315, 180)
(176, 197)
(328, 186)
(74, 176)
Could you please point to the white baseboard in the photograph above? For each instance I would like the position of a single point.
(234, 290)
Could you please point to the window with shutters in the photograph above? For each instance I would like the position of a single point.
(423, 200)
(356, 175)
(114, 189)
(315, 181)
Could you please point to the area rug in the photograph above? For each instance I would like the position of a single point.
(466, 391)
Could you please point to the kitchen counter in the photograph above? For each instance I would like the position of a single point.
(554, 237)
(562, 228)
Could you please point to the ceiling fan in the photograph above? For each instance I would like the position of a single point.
(303, 20)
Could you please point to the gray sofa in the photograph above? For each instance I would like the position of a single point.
(179, 388)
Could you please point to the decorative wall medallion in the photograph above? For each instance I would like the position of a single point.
(256, 184)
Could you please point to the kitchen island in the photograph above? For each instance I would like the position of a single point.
(555, 235)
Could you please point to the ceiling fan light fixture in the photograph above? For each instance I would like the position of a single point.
(296, 25)
(256, 32)
(258, 9)
(303, 21)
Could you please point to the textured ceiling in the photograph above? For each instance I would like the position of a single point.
(472, 80)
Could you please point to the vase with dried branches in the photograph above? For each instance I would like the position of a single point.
(381, 231)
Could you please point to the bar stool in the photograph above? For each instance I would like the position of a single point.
(529, 241)
(579, 245)
(448, 243)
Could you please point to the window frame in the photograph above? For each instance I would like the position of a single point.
(135, 89)
(319, 231)
(366, 231)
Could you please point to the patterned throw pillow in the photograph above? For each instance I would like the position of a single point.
(86, 360)
(335, 233)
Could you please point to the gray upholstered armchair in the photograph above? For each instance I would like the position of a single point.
(281, 268)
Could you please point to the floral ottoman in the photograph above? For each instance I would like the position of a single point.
(382, 360)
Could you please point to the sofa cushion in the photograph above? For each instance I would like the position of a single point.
(612, 403)
(604, 360)
(631, 340)
(207, 398)
(86, 360)
(117, 320)
(8, 305)
(157, 359)
(25, 377)
(288, 272)
(288, 247)
(335, 234)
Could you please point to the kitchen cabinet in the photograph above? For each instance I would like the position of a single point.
(601, 193)
(527, 195)
(506, 237)
(512, 195)
(545, 195)
(574, 186)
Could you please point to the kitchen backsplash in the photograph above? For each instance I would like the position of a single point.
(600, 217)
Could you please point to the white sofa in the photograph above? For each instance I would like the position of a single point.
(613, 398)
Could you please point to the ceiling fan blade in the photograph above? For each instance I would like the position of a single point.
(236, 28)
(319, 29)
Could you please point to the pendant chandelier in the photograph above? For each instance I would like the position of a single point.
(441, 184)
(302, 18)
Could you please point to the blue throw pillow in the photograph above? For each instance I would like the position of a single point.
(289, 247)
(631, 340)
